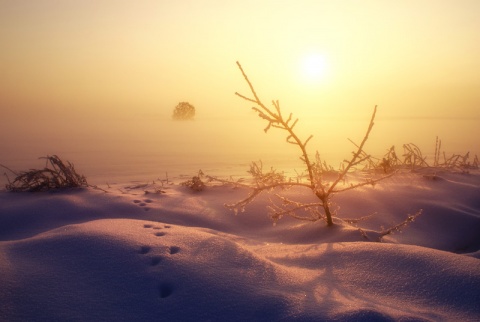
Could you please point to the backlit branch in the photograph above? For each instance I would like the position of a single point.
(315, 182)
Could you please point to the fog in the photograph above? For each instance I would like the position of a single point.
(148, 148)
(139, 147)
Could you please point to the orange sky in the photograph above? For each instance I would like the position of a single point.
(91, 62)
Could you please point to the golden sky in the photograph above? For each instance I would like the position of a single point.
(97, 61)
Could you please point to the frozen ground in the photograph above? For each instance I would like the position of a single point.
(131, 254)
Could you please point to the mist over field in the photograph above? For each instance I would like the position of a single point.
(148, 147)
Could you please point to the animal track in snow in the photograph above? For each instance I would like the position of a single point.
(143, 203)
(158, 234)
(156, 260)
(145, 249)
(164, 289)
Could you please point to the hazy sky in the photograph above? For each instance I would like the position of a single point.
(84, 62)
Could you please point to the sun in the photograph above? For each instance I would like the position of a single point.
(314, 67)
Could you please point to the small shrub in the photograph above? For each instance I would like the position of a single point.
(196, 183)
(56, 175)
(184, 111)
(316, 170)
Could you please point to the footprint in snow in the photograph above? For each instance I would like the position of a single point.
(143, 203)
(174, 250)
(145, 250)
(156, 260)
(164, 289)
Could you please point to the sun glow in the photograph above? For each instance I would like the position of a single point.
(314, 68)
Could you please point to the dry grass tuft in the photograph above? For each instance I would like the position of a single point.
(56, 175)
(414, 159)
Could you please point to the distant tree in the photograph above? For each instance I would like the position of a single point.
(184, 111)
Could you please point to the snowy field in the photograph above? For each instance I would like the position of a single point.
(144, 251)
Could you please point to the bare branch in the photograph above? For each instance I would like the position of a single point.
(356, 154)
(306, 141)
(245, 98)
(289, 119)
(400, 226)
(248, 82)
(370, 182)
(294, 123)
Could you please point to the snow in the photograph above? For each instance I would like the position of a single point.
(132, 254)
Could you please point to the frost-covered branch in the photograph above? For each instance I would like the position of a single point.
(315, 180)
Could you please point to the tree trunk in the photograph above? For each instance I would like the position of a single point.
(328, 215)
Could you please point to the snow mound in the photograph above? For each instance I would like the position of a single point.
(177, 255)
